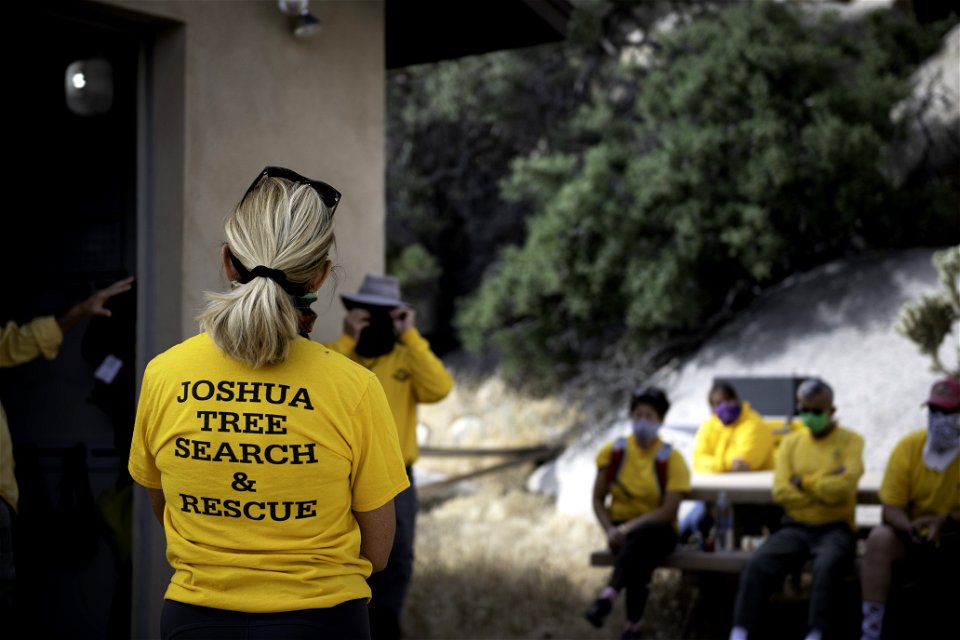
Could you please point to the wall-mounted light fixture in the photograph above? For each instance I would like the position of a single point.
(305, 24)
(89, 86)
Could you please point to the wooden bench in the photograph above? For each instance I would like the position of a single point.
(693, 560)
(743, 488)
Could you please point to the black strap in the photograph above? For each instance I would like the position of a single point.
(261, 271)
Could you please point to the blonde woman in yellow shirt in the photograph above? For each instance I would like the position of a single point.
(271, 460)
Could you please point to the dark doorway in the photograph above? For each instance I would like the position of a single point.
(71, 229)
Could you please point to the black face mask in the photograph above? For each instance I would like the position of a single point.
(379, 336)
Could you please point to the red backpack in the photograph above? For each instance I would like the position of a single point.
(616, 464)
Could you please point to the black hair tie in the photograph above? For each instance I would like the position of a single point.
(261, 271)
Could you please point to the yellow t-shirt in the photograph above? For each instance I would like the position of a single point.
(910, 484)
(20, 344)
(410, 374)
(637, 490)
(749, 438)
(825, 495)
(262, 470)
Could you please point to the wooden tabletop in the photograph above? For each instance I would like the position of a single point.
(755, 487)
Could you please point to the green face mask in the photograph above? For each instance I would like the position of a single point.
(816, 422)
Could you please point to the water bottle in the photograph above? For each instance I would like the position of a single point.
(724, 522)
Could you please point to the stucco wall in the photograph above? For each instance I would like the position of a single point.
(226, 90)
(256, 95)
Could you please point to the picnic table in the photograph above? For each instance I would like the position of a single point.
(744, 489)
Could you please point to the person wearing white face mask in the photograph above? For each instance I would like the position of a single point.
(646, 480)
(920, 493)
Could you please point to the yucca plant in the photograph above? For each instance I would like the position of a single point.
(928, 321)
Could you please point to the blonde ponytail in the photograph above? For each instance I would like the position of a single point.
(280, 225)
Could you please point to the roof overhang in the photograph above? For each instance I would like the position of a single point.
(423, 31)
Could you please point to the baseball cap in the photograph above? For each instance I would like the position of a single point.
(945, 394)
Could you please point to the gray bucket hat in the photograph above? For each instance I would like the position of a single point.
(381, 291)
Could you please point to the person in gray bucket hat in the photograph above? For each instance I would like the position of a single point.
(379, 333)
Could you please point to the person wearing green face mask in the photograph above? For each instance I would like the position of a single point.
(815, 480)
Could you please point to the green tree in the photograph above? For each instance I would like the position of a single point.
(749, 149)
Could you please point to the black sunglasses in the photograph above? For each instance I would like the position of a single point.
(329, 195)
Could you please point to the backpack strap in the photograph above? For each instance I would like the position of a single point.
(660, 466)
(660, 461)
(617, 453)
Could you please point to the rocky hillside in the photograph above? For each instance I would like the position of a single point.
(835, 322)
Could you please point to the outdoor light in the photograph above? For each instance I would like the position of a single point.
(89, 87)
(306, 23)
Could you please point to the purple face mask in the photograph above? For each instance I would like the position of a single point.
(728, 411)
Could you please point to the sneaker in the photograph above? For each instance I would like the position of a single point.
(598, 611)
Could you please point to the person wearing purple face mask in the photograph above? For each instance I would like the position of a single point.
(919, 539)
(640, 520)
(733, 438)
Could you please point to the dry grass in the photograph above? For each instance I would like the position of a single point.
(502, 563)
(496, 561)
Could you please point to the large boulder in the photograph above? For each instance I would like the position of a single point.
(931, 115)
(835, 322)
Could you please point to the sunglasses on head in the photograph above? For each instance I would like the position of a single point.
(329, 195)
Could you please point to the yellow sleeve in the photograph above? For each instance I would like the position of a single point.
(20, 344)
(895, 488)
(378, 471)
(430, 379)
(142, 463)
(603, 456)
(704, 458)
(678, 474)
(343, 345)
(784, 493)
(836, 488)
(753, 444)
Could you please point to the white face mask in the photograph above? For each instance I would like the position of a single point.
(645, 430)
(943, 430)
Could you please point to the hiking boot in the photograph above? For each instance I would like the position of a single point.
(598, 611)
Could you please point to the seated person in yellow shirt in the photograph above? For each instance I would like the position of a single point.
(815, 480)
(646, 480)
(920, 493)
(733, 438)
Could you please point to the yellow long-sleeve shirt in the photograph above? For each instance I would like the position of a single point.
(410, 374)
(910, 484)
(20, 344)
(829, 469)
(749, 438)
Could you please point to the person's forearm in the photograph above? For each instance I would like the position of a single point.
(603, 516)
(68, 319)
(896, 517)
(660, 515)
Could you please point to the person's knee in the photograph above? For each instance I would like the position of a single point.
(758, 568)
(883, 545)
